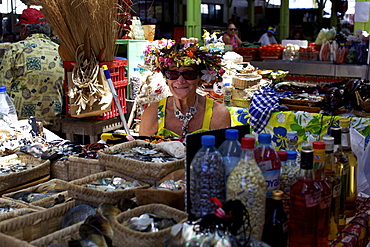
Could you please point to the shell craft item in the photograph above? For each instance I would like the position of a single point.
(112, 184)
(146, 153)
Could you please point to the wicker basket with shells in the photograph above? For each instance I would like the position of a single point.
(244, 81)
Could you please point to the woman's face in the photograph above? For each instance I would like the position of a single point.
(231, 30)
(182, 81)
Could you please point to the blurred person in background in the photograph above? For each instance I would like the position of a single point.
(32, 71)
(231, 37)
(268, 37)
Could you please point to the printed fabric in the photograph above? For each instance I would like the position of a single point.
(264, 102)
(32, 71)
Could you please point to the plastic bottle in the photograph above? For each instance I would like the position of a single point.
(351, 196)
(247, 184)
(341, 165)
(206, 178)
(275, 232)
(227, 93)
(288, 176)
(135, 83)
(7, 106)
(268, 161)
(305, 197)
(325, 204)
(335, 184)
(230, 150)
(292, 143)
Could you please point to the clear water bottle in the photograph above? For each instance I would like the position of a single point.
(7, 106)
(227, 93)
(230, 150)
(206, 178)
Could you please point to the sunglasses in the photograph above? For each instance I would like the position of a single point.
(187, 75)
(233, 29)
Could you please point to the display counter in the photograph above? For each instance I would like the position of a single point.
(318, 68)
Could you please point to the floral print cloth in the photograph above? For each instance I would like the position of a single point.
(303, 122)
(32, 71)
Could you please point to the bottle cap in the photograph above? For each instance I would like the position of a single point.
(329, 143)
(277, 195)
(2, 89)
(136, 69)
(250, 136)
(292, 155)
(232, 134)
(208, 140)
(227, 84)
(337, 134)
(247, 143)
(283, 155)
(318, 145)
(291, 134)
(344, 122)
(264, 138)
(307, 159)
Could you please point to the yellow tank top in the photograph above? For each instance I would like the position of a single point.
(162, 131)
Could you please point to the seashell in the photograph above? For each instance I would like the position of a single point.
(101, 223)
(77, 214)
(108, 210)
(125, 204)
(93, 234)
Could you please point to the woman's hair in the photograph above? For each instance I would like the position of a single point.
(38, 28)
(230, 23)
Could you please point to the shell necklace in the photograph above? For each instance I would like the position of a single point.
(187, 117)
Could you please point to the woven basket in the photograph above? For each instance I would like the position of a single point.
(19, 209)
(148, 172)
(243, 81)
(45, 202)
(172, 198)
(81, 167)
(36, 225)
(59, 169)
(78, 191)
(59, 237)
(41, 168)
(9, 241)
(124, 236)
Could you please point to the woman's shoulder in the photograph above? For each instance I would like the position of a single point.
(220, 116)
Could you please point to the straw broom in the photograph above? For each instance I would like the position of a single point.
(71, 20)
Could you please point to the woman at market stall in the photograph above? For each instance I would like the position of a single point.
(185, 66)
(32, 71)
(231, 37)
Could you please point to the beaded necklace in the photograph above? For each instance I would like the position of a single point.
(187, 117)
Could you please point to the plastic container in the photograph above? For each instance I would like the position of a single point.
(269, 162)
(7, 106)
(206, 178)
(288, 176)
(230, 150)
(227, 93)
(247, 184)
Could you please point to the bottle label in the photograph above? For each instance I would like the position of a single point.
(313, 199)
(265, 165)
(325, 202)
(272, 179)
(345, 169)
(337, 189)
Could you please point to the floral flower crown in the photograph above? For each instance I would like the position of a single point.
(186, 55)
